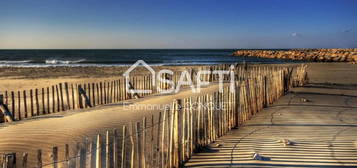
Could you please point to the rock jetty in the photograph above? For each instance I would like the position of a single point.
(315, 55)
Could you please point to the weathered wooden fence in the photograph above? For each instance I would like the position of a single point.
(171, 137)
(23, 104)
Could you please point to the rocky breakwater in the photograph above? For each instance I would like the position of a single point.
(316, 55)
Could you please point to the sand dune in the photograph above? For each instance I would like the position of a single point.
(58, 129)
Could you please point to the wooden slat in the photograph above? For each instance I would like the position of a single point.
(54, 157)
(58, 100)
(53, 100)
(37, 103)
(13, 108)
(98, 162)
(48, 100)
(138, 144)
(66, 156)
(144, 144)
(24, 160)
(67, 95)
(19, 105)
(114, 150)
(43, 101)
(31, 98)
(73, 97)
(39, 158)
(123, 148)
(132, 144)
(157, 150)
(61, 95)
(25, 104)
(93, 95)
(107, 150)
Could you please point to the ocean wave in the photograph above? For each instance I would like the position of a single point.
(56, 61)
(14, 62)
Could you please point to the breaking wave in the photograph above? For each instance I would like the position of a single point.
(56, 61)
(14, 62)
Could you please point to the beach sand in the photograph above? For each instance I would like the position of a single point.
(58, 129)
(322, 130)
(69, 127)
(24, 78)
(44, 132)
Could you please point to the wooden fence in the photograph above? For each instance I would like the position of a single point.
(171, 137)
(18, 105)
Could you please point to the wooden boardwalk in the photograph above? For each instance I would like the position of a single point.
(319, 119)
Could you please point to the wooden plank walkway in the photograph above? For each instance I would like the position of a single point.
(323, 131)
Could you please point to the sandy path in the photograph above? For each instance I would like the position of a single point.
(61, 128)
(324, 130)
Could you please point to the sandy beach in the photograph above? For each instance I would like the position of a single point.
(57, 129)
(171, 84)
(322, 129)
(70, 127)
(24, 78)
(74, 126)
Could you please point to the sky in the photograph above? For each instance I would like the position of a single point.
(116, 24)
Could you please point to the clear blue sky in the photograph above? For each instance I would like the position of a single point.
(178, 23)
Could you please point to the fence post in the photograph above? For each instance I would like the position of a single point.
(115, 149)
(39, 158)
(9, 160)
(152, 143)
(67, 95)
(58, 99)
(43, 101)
(73, 97)
(53, 100)
(123, 148)
(24, 160)
(66, 155)
(266, 99)
(107, 150)
(138, 144)
(37, 103)
(163, 147)
(61, 95)
(143, 144)
(13, 104)
(157, 147)
(176, 132)
(98, 162)
(55, 156)
(132, 157)
(48, 100)
(31, 97)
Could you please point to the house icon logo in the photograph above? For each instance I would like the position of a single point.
(129, 86)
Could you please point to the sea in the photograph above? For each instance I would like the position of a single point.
(122, 57)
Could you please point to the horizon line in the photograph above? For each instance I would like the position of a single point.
(166, 48)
